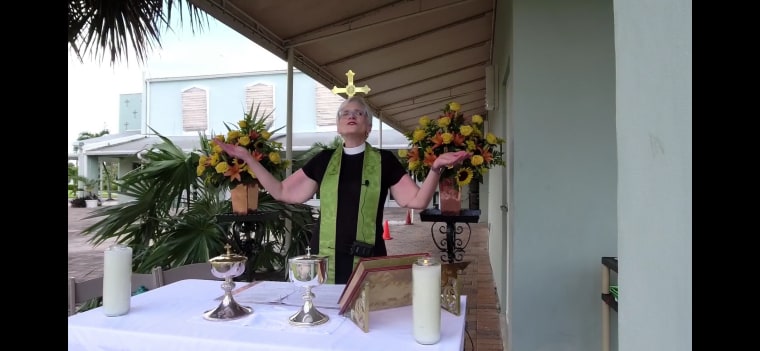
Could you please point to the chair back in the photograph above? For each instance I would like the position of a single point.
(200, 270)
(81, 292)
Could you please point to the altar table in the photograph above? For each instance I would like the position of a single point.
(171, 318)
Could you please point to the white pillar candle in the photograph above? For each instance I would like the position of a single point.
(426, 300)
(117, 280)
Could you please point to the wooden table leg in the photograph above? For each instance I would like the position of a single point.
(605, 309)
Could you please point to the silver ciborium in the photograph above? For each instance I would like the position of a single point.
(307, 272)
(227, 266)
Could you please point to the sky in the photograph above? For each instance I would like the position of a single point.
(94, 87)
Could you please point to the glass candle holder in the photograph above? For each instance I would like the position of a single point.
(117, 280)
(426, 300)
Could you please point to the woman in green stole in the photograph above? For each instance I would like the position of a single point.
(353, 182)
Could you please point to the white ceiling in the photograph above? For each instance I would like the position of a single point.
(415, 55)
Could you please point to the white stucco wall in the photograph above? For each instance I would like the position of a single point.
(226, 101)
(654, 118)
(565, 171)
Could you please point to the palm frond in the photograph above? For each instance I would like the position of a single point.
(109, 28)
(161, 232)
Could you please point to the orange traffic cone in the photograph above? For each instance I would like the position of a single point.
(409, 216)
(386, 232)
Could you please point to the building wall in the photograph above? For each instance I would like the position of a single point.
(654, 117)
(564, 216)
(499, 180)
(226, 101)
(130, 112)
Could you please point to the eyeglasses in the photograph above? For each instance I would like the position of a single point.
(355, 113)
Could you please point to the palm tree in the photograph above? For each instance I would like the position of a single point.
(109, 27)
(315, 148)
(162, 232)
(73, 172)
(88, 135)
(109, 169)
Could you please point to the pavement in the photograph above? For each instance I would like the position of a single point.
(86, 259)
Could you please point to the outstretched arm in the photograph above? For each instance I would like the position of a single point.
(408, 194)
(295, 189)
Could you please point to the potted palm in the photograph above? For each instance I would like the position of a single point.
(87, 197)
(161, 232)
(90, 187)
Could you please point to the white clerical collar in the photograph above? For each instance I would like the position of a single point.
(353, 150)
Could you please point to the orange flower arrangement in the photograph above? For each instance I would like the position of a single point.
(450, 132)
(218, 168)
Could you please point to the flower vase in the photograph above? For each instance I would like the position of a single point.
(450, 196)
(245, 198)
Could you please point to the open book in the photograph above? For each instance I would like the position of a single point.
(389, 278)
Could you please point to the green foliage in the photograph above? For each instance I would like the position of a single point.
(109, 28)
(88, 135)
(315, 149)
(220, 169)
(173, 219)
(90, 185)
(73, 171)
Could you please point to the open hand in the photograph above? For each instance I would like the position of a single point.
(451, 159)
(235, 151)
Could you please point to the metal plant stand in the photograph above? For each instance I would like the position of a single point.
(453, 243)
(245, 234)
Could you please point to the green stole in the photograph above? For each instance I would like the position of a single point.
(368, 200)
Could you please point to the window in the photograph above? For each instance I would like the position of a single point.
(260, 94)
(327, 106)
(194, 110)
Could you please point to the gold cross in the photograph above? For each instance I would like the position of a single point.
(351, 89)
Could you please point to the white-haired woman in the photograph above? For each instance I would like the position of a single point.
(353, 182)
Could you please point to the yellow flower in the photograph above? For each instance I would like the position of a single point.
(274, 157)
(444, 121)
(217, 168)
(464, 176)
(447, 137)
(491, 139)
(449, 132)
(419, 135)
(402, 153)
(222, 167)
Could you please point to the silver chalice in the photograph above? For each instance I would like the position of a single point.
(228, 266)
(308, 271)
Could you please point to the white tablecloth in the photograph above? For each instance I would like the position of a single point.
(171, 318)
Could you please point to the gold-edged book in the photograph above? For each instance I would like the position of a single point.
(388, 277)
